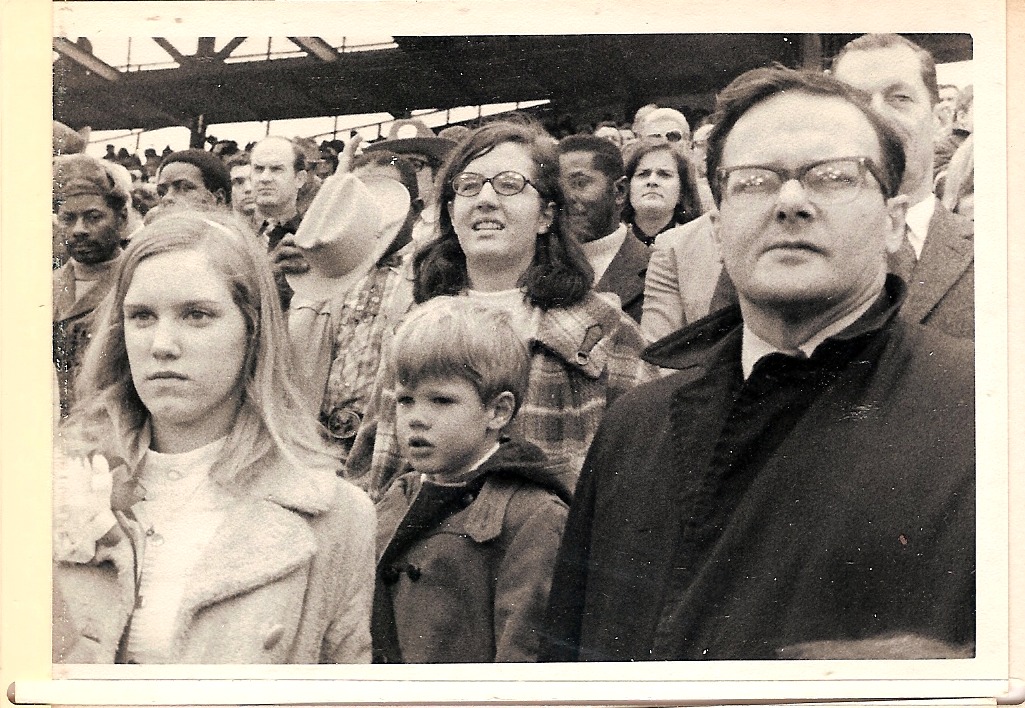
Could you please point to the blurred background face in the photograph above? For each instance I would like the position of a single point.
(655, 185)
(892, 77)
(424, 175)
(664, 129)
(90, 229)
(243, 200)
(275, 179)
(180, 184)
(609, 133)
(589, 208)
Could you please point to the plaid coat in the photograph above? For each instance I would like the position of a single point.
(583, 358)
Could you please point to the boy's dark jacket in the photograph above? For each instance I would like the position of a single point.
(464, 569)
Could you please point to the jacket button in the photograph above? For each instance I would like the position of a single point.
(413, 572)
(583, 358)
(274, 636)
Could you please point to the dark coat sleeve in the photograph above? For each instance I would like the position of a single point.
(560, 640)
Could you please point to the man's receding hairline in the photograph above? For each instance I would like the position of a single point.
(889, 48)
(805, 93)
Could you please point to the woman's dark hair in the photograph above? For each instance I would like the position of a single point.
(559, 275)
(688, 206)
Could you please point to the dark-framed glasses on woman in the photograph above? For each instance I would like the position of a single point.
(508, 183)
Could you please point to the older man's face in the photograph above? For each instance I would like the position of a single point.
(892, 77)
(274, 176)
(89, 228)
(785, 248)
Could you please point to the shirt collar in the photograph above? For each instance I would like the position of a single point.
(753, 348)
(918, 217)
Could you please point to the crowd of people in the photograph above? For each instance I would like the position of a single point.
(493, 395)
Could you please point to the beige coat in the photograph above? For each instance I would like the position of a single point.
(287, 578)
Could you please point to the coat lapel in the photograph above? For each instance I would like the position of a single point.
(257, 543)
(65, 305)
(947, 254)
(625, 275)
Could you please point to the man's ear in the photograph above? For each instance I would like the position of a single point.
(220, 197)
(501, 410)
(896, 224)
(620, 186)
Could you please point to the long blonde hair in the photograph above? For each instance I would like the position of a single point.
(272, 420)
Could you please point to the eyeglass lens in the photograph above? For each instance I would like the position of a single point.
(827, 182)
(470, 184)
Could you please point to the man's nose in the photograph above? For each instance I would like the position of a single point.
(79, 229)
(792, 202)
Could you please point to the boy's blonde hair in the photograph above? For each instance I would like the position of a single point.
(454, 336)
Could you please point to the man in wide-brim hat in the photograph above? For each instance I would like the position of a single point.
(413, 140)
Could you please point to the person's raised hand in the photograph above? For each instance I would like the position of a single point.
(287, 258)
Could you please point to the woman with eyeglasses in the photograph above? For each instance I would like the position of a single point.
(500, 244)
(198, 517)
(662, 189)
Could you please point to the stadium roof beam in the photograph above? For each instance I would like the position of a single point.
(317, 47)
(228, 48)
(74, 52)
(171, 49)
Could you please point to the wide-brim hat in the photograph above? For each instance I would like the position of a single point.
(347, 225)
(410, 135)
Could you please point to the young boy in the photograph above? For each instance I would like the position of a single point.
(467, 537)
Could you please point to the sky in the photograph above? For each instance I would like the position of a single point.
(141, 53)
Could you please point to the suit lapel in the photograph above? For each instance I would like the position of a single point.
(947, 254)
(66, 306)
(257, 543)
(625, 274)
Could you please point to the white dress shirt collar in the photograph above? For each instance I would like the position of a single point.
(918, 218)
(753, 347)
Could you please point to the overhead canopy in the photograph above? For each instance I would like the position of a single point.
(574, 71)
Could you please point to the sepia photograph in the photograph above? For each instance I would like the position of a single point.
(528, 354)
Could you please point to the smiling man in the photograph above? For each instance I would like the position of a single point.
(804, 485)
(92, 212)
(593, 189)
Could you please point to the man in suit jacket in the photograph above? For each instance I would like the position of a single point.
(593, 187)
(804, 485)
(92, 213)
(939, 266)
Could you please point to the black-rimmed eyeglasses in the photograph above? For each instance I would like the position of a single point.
(508, 183)
(834, 181)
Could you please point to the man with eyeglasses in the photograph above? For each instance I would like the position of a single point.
(804, 485)
(414, 140)
(666, 124)
(938, 260)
